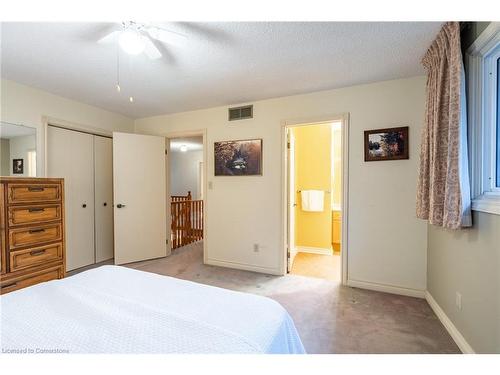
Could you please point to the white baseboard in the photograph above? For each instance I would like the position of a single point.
(448, 324)
(314, 250)
(243, 266)
(386, 288)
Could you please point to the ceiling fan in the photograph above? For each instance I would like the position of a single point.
(135, 38)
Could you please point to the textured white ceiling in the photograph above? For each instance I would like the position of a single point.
(220, 63)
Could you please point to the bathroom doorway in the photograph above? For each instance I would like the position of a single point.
(315, 190)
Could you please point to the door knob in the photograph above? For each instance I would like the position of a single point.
(84, 205)
(119, 205)
(105, 204)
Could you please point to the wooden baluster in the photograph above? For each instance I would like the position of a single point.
(199, 220)
(176, 225)
(195, 220)
(181, 224)
(172, 214)
(184, 226)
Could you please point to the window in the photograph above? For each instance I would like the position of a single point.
(483, 83)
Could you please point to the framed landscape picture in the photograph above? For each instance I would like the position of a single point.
(386, 144)
(238, 158)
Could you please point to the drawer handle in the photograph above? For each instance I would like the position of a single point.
(37, 252)
(36, 209)
(33, 188)
(37, 230)
(8, 285)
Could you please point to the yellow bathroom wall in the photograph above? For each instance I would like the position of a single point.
(313, 171)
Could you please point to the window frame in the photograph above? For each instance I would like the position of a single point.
(481, 66)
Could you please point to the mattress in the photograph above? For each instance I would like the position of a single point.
(114, 309)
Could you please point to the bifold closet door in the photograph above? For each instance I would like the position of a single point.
(70, 155)
(103, 178)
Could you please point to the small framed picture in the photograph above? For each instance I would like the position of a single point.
(18, 166)
(386, 144)
(238, 158)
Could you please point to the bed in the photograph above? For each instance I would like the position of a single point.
(114, 309)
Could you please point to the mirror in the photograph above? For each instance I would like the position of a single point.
(17, 150)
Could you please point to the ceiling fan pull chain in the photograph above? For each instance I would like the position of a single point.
(118, 88)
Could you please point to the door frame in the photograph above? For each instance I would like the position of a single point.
(181, 134)
(63, 124)
(287, 124)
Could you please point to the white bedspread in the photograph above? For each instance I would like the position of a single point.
(114, 309)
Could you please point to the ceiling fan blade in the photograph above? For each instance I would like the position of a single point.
(110, 38)
(150, 50)
(167, 36)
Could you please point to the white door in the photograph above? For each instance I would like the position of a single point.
(103, 180)
(139, 180)
(292, 199)
(70, 155)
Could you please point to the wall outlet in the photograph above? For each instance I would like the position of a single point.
(256, 247)
(210, 185)
(458, 300)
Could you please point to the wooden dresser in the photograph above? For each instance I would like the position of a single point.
(31, 231)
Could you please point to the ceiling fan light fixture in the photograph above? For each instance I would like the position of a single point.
(131, 42)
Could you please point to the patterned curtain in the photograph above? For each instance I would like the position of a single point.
(443, 191)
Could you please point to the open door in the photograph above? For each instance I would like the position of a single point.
(139, 180)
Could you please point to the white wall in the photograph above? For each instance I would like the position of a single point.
(4, 157)
(387, 244)
(184, 171)
(27, 106)
(19, 147)
(467, 261)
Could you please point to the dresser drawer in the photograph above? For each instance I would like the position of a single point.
(19, 215)
(32, 279)
(21, 193)
(20, 259)
(35, 235)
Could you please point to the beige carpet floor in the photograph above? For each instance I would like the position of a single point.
(316, 265)
(330, 318)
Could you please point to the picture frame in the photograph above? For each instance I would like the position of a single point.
(238, 157)
(387, 144)
(18, 166)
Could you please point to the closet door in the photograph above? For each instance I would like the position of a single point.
(70, 155)
(103, 178)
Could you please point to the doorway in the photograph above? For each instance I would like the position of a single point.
(185, 190)
(315, 195)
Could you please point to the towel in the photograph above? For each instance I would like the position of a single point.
(313, 200)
